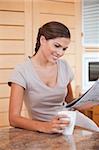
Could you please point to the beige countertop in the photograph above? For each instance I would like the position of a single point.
(19, 139)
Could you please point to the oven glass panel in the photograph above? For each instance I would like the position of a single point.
(93, 71)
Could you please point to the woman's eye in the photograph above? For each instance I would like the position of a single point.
(64, 49)
(57, 46)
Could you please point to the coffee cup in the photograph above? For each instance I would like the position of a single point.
(71, 115)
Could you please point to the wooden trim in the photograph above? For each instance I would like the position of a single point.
(28, 28)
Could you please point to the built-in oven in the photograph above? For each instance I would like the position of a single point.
(90, 69)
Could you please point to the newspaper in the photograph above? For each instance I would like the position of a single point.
(85, 122)
(89, 99)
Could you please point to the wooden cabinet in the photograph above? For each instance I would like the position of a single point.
(15, 44)
(93, 114)
(96, 114)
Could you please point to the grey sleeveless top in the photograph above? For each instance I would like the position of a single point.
(43, 102)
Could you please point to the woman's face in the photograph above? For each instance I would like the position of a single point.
(53, 49)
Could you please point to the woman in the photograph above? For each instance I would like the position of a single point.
(44, 82)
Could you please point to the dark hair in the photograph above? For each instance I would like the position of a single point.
(52, 30)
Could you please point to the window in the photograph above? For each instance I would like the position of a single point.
(90, 19)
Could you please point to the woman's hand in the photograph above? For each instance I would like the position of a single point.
(56, 125)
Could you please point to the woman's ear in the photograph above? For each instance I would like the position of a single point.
(42, 39)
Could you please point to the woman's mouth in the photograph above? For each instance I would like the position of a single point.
(55, 57)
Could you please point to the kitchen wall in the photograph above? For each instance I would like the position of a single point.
(19, 22)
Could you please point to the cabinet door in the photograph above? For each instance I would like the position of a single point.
(15, 43)
(68, 13)
(96, 114)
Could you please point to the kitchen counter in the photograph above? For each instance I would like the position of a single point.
(19, 139)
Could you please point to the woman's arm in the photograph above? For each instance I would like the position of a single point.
(69, 96)
(15, 107)
(16, 120)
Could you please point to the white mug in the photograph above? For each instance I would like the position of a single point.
(72, 116)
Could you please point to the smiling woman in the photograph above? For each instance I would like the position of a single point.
(54, 48)
(44, 81)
